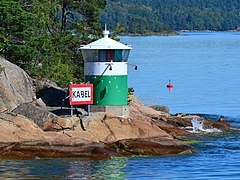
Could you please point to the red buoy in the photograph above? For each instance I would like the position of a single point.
(169, 85)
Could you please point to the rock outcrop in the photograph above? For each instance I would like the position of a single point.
(30, 130)
(16, 86)
(37, 114)
(160, 108)
(51, 94)
(15, 128)
(145, 132)
(76, 147)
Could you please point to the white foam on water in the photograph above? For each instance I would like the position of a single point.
(198, 127)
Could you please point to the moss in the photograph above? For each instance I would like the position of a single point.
(189, 142)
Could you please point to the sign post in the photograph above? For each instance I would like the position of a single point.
(81, 94)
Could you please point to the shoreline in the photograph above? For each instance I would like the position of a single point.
(146, 132)
(31, 131)
(175, 33)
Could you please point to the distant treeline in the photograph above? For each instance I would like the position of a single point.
(149, 16)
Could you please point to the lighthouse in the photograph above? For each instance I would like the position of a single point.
(105, 66)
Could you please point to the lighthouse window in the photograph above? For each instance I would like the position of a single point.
(105, 55)
(102, 55)
(125, 54)
(110, 55)
(118, 55)
(89, 55)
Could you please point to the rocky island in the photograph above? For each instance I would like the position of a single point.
(31, 129)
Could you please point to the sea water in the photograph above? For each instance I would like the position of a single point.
(204, 70)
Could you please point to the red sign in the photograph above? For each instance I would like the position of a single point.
(81, 94)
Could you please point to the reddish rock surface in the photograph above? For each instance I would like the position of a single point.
(158, 146)
(29, 130)
(144, 132)
(76, 147)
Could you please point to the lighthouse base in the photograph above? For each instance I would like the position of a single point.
(113, 110)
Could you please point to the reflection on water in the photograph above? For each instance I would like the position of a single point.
(100, 169)
(40, 168)
(64, 168)
(218, 158)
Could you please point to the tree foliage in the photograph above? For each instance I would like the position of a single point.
(143, 16)
(43, 36)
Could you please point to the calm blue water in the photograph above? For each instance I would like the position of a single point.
(204, 69)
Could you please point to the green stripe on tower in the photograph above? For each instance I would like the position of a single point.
(109, 90)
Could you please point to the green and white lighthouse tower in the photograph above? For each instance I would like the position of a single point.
(105, 66)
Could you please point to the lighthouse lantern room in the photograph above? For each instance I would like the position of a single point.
(105, 66)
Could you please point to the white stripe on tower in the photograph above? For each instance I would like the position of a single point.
(103, 68)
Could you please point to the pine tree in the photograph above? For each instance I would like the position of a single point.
(43, 36)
